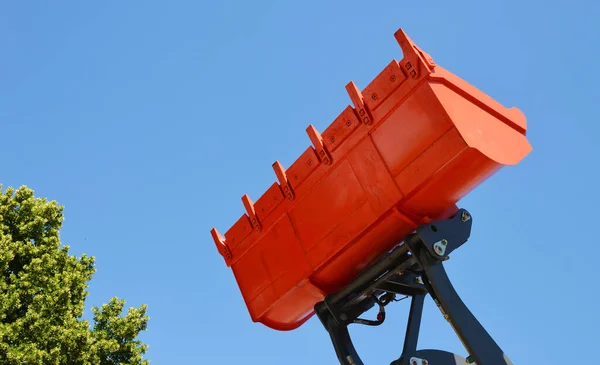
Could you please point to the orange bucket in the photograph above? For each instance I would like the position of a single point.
(416, 141)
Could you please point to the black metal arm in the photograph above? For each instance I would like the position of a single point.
(414, 268)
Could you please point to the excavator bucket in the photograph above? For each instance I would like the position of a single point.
(414, 142)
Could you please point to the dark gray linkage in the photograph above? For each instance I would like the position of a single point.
(413, 269)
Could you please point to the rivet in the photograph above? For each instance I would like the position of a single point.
(465, 216)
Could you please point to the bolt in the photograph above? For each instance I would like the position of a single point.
(440, 247)
(419, 280)
(418, 361)
(343, 316)
(465, 216)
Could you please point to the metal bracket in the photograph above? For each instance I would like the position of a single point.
(414, 268)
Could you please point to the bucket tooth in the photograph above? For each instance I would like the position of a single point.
(222, 247)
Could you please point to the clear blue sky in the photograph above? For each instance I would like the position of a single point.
(149, 120)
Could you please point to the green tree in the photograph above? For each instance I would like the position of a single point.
(42, 294)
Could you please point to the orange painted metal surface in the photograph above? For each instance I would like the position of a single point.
(416, 140)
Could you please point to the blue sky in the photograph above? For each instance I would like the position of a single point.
(149, 120)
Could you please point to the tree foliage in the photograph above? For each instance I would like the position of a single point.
(43, 290)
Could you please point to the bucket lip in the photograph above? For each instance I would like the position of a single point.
(513, 122)
(511, 116)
